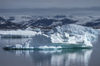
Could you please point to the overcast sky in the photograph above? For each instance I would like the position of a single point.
(13, 4)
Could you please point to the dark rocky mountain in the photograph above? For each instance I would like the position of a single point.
(13, 22)
(7, 24)
(94, 24)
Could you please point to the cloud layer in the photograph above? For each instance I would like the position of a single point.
(13, 4)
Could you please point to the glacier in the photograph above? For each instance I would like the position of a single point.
(65, 36)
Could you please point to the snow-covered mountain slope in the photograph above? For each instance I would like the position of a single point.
(65, 36)
(7, 24)
(25, 21)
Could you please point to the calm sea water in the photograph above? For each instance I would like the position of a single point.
(67, 57)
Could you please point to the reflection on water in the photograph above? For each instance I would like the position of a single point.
(67, 57)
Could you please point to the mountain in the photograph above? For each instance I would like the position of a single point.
(7, 24)
(25, 21)
(94, 23)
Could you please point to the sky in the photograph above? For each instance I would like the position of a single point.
(50, 7)
(17, 4)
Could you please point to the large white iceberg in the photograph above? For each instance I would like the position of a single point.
(65, 36)
(73, 34)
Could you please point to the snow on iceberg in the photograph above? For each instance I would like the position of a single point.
(18, 33)
(65, 36)
(73, 34)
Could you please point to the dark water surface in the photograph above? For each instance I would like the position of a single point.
(67, 57)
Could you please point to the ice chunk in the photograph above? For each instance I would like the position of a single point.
(70, 34)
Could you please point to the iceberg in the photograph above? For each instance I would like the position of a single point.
(65, 36)
(73, 34)
(17, 33)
